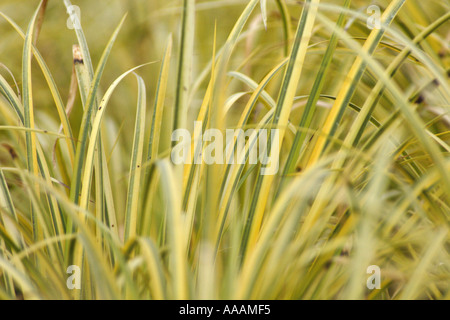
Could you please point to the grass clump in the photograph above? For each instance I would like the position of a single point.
(87, 178)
